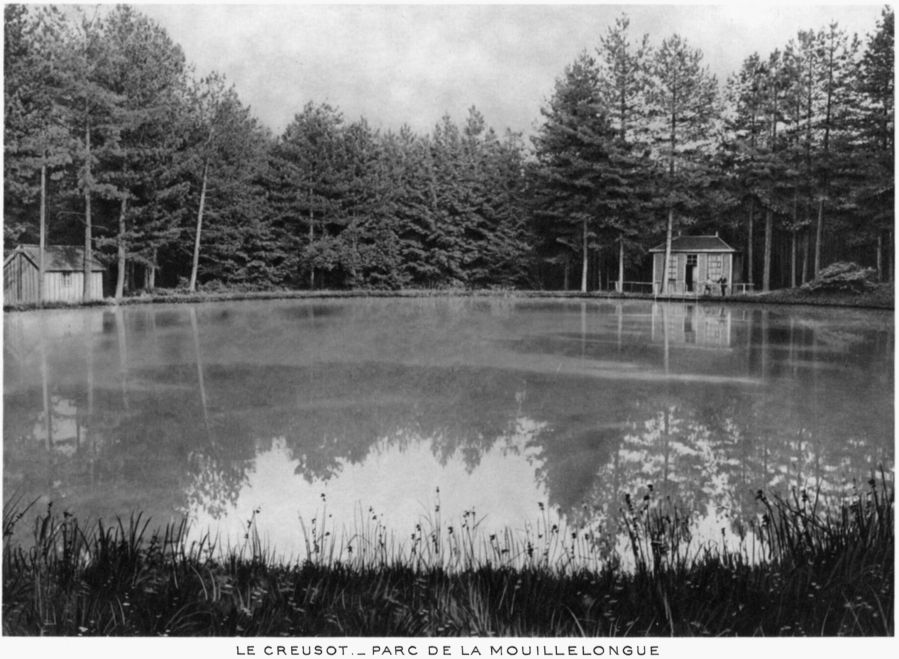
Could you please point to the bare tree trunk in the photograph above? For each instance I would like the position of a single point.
(120, 275)
(621, 263)
(88, 241)
(891, 257)
(819, 233)
(793, 258)
(43, 237)
(151, 283)
(879, 256)
(584, 259)
(565, 281)
(805, 255)
(793, 230)
(668, 233)
(749, 241)
(766, 270)
(311, 239)
(196, 262)
(600, 262)
(670, 227)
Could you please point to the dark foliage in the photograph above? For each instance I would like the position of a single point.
(170, 178)
(820, 571)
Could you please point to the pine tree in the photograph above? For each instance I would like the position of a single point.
(449, 205)
(682, 104)
(580, 183)
(740, 150)
(506, 249)
(36, 141)
(413, 164)
(305, 160)
(147, 71)
(875, 125)
(624, 84)
(837, 52)
(226, 155)
(94, 111)
(771, 160)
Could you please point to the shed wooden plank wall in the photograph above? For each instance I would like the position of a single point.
(19, 281)
(67, 286)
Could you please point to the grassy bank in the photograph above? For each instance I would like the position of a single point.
(828, 571)
(881, 298)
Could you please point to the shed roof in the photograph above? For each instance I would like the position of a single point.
(57, 258)
(696, 244)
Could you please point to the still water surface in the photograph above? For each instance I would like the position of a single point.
(396, 412)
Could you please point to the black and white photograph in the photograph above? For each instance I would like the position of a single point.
(422, 330)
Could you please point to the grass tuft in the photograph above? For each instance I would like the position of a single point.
(825, 568)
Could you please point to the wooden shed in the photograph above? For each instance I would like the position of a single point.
(63, 274)
(696, 261)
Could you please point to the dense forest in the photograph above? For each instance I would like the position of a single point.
(113, 142)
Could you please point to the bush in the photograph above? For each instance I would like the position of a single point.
(843, 276)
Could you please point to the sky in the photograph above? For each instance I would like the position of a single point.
(396, 64)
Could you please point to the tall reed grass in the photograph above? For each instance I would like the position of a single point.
(818, 570)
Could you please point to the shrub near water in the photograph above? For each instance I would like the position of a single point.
(823, 573)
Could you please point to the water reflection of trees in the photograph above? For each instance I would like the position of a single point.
(186, 432)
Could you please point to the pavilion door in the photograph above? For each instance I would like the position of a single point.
(690, 274)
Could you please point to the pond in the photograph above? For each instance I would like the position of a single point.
(506, 420)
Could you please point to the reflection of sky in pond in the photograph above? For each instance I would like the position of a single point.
(405, 487)
(402, 485)
(222, 408)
